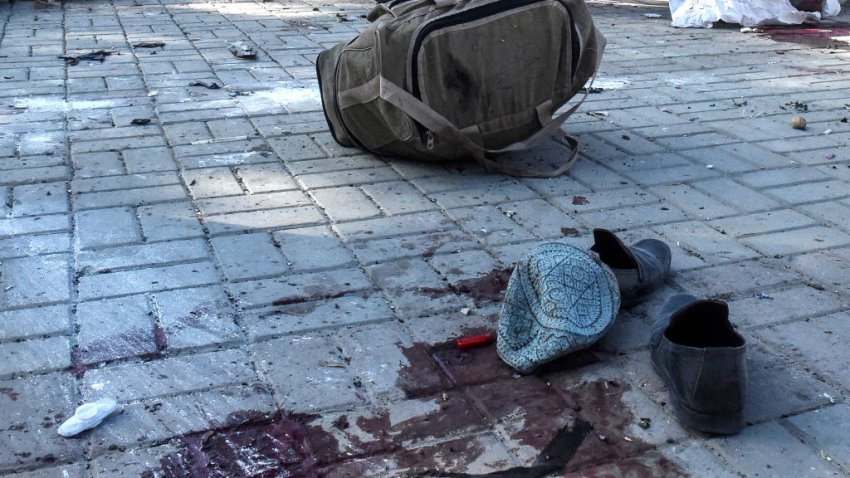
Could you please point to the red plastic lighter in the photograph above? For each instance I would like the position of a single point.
(474, 341)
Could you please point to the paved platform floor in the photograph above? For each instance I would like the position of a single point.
(264, 302)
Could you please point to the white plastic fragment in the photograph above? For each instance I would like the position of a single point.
(87, 415)
(652, 15)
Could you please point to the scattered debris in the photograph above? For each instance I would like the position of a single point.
(830, 156)
(87, 415)
(743, 103)
(597, 113)
(341, 422)
(751, 30)
(798, 122)
(221, 140)
(580, 201)
(709, 166)
(827, 131)
(652, 15)
(343, 17)
(149, 44)
(828, 397)
(592, 90)
(243, 51)
(569, 231)
(626, 137)
(510, 213)
(474, 341)
(627, 438)
(644, 423)
(763, 296)
(208, 85)
(602, 438)
(465, 311)
(331, 364)
(843, 120)
(141, 121)
(99, 55)
(797, 106)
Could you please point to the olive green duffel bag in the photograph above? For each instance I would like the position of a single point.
(448, 79)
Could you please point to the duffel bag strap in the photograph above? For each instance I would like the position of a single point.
(430, 119)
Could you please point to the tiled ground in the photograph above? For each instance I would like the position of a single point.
(264, 302)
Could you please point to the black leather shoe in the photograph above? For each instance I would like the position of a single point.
(639, 269)
(701, 358)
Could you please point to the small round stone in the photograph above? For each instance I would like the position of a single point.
(798, 122)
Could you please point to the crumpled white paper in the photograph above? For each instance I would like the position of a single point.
(749, 13)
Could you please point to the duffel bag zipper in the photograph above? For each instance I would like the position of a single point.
(472, 14)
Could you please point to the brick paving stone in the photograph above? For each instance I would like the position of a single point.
(261, 178)
(249, 256)
(300, 317)
(170, 376)
(90, 165)
(372, 229)
(29, 281)
(196, 317)
(38, 199)
(142, 255)
(810, 192)
(298, 287)
(115, 328)
(707, 244)
(770, 450)
(252, 202)
(741, 277)
(395, 198)
(105, 227)
(130, 463)
(490, 224)
(301, 246)
(407, 282)
(33, 408)
(287, 361)
(31, 323)
(761, 223)
(75, 470)
(112, 284)
(21, 246)
(828, 268)
(631, 217)
(779, 306)
(421, 245)
(345, 204)
(169, 221)
(737, 196)
(211, 182)
(35, 355)
(812, 340)
(832, 211)
(264, 219)
(797, 241)
(30, 225)
(146, 160)
(825, 430)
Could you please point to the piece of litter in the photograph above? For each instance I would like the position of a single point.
(153, 93)
(830, 156)
(762, 295)
(709, 166)
(602, 437)
(465, 311)
(86, 416)
(221, 140)
(208, 85)
(141, 121)
(569, 231)
(99, 55)
(625, 437)
(149, 44)
(331, 363)
(750, 30)
(474, 341)
(342, 17)
(644, 423)
(20, 106)
(7, 289)
(510, 213)
(652, 15)
(828, 131)
(828, 397)
(484, 230)
(243, 52)
(597, 113)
